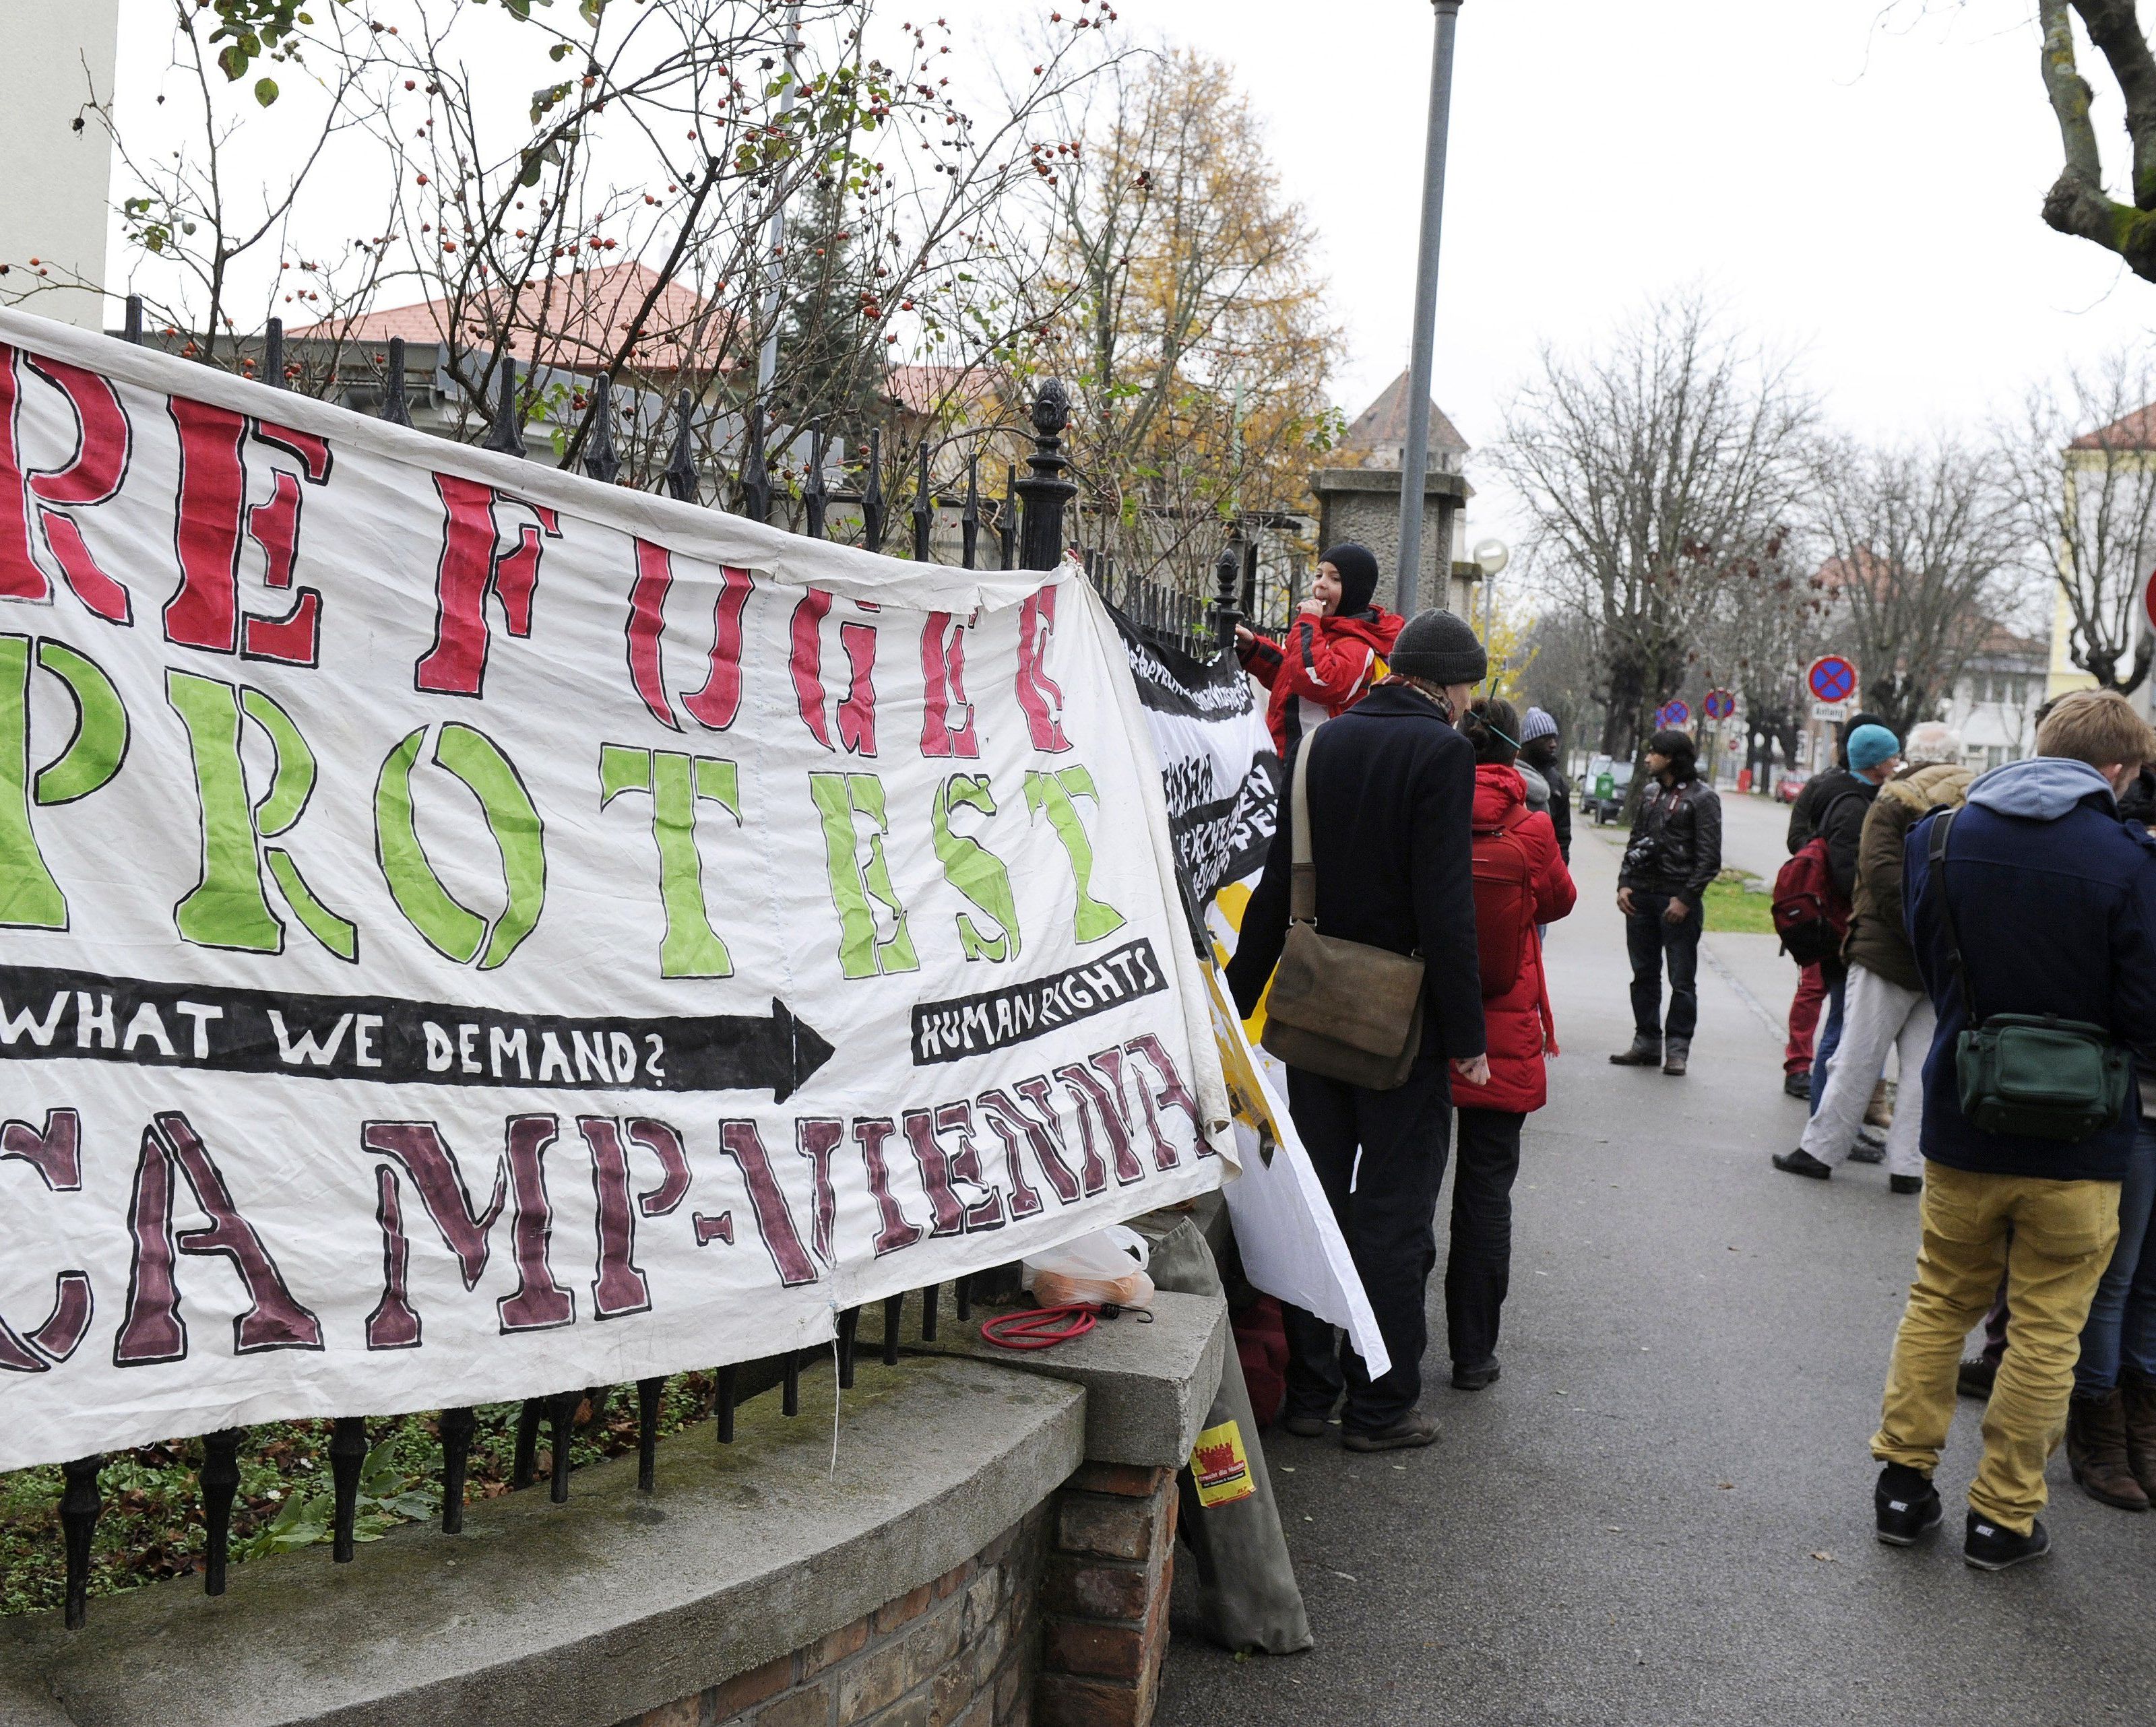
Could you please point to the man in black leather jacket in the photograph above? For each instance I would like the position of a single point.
(1675, 852)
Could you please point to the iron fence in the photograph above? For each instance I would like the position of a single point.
(1026, 529)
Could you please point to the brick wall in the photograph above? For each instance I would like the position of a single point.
(1104, 1598)
(960, 1652)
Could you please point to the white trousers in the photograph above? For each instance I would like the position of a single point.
(1877, 1016)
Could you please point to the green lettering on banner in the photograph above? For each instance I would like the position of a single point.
(1057, 793)
(862, 953)
(29, 898)
(675, 781)
(511, 819)
(230, 907)
(974, 870)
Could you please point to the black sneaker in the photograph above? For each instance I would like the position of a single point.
(1904, 1184)
(1974, 1378)
(1905, 1504)
(1473, 1379)
(1798, 1085)
(1865, 1151)
(1801, 1163)
(1990, 1548)
(1306, 1426)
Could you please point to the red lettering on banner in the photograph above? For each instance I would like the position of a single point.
(716, 704)
(816, 1138)
(647, 625)
(470, 571)
(857, 712)
(943, 677)
(418, 1147)
(742, 1143)
(663, 1142)
(540, 1303)
(1172, 1094)
(895, 1231)
(394, 1324)
(1039, 694)
(1110, 1106)
(620, 1287)
(805, 660)
(54, 1150)
(947, 1217)
(966, 1167)
(153, 1330)
(1044, 1137)
(92, 474)
(205, 611)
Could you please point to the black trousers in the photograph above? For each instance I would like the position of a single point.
(1389, 1222)
(1478, 1270)
(1651, 939)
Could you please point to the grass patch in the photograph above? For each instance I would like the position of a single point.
(1738, 904)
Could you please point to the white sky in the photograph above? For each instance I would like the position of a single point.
(1857, 180)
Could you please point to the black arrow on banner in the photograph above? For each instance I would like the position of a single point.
(47, 1015)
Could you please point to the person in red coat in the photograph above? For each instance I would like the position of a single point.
(1521, 1034)
(1330, 657)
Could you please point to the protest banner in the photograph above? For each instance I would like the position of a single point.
(467, 931)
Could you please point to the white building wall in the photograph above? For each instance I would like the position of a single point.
(56, 56)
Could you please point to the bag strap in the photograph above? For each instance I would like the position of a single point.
(1302, 877)
(1936, 852)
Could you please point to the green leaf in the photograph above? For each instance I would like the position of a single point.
(265, 90)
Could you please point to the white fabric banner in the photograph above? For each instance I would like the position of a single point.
(467, 931)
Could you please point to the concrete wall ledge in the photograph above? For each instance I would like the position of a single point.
(1149, 1383)
(571, 1615)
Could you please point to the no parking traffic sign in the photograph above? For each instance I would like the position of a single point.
(1831, 678)
(1719, 704)
(1673, 715)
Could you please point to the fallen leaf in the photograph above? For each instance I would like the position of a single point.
(1824, 1558)
(1725, 1486)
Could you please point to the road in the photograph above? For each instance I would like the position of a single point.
(1662, 1515)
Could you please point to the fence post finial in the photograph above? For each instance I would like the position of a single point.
(1227, 580)
(755, 476)
(1045, 491)
(602, 461)
(394, 407)
(924, 506)
(272, 354)
(680, 475)
(505, 435)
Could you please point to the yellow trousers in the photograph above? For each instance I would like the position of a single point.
(2053, 1240)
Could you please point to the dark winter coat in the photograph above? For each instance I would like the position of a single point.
(1675, 846)
(1878, 940)
(1320, 669)
(1519, 1023)
(1840, 823)
(1392, 789)
(2055, 901)
(1804, 813)
(1560, 802)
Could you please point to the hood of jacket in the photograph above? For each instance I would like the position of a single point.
(1498, 792)
(1926, 788)
(1377, 627)
(2041, 789)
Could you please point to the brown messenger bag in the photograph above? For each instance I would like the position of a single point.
(1343, 1009)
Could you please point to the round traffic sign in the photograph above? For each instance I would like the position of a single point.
(1832, 679)
(1720, 705)
(1675, 715)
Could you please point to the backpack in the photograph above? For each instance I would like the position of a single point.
(1811, 914)
(1504, 902)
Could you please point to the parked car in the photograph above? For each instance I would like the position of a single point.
(1602, 788)
(1787, 788)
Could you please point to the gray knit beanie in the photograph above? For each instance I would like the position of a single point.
(1438, 648)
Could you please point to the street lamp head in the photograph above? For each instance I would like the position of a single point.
(1491, 555)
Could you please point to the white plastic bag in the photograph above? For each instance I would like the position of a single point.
(1106, 1269)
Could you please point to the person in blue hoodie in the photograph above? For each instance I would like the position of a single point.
(2053, 907)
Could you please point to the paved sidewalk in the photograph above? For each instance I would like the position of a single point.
(1662, 1514)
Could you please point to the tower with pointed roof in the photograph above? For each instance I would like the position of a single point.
(1358, 498)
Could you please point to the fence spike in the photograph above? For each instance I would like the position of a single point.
(924, 505)
(505, 434)
(220, 1480)
(649, 1391)
(894, 1310)
(79, 1505)
(680, 473)
(814, 493)
(526, 1468)
(561, 1417)
(969, 519)
(931, 1299)
(602, 461)
(790, 1397)
(133, 327)
(394, 407)
(872, 510)
(963, 1293)
(755, 474)
(272, 354)
(849, 1325)
(347, 1452)
(1007, 519)
(723, 1409)
(457, 1427)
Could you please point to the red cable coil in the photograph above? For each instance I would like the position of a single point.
(1039, 1328)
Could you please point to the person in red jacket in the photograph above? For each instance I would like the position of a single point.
(1521, 1035)
(1330, 657)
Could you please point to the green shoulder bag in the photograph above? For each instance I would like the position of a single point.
(2029, 1074)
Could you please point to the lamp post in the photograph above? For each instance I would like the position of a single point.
(1491, 556)
(1414, 454)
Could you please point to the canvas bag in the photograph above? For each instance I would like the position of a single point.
(1504, 903)
(1343, 1009)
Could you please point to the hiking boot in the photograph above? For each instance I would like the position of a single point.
(1306, 1426)
(1798, 1085)
(1974, 1378)
(1473, 1379)
(1674, 1054)
(1645, 1053)
(1989, 1547)
(1411, 1429)
(2138, 1397)
(1801, 1163)
(1905, 1504)
(2096, 1451)
(1904, 1184)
